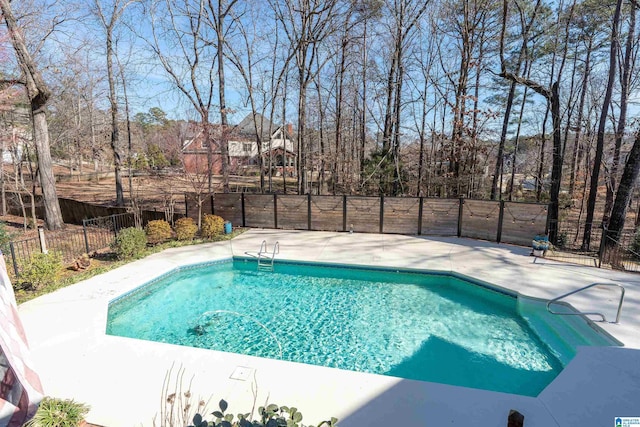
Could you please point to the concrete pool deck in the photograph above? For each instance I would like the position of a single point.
(122, 379)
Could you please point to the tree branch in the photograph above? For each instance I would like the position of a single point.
(5, 83)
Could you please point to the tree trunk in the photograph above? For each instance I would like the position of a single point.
(622, 120)
(593, 188)
(39, 94)
(363, 118)
(556, 168)
(577, 141)
(623, 195)
(503, 139)
(339, 96)
(115, 132)
(515, 145)
(224, 137)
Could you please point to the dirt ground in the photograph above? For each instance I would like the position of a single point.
(151, 191)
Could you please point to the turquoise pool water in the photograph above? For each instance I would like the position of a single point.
(428, 327)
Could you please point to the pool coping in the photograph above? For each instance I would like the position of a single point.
(74, 348)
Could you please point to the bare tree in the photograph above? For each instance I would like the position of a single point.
(522, 56)
(109, 15)
(38, 94)
(178, 30)
(606, 103)
(552, 95)
(306, 24)
(625, 80)
(219, 11)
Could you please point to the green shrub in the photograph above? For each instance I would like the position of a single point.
(185, 228)
(59, 413)
(212, 225)
(270, 415)
(5, 238)
(158, 231)
(129, 243)
(562, 239)
(40, 269)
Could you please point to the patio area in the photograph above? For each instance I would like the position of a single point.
(122, 378)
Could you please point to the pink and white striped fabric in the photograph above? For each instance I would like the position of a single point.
(20, 388)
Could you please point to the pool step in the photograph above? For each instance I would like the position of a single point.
(563, 334)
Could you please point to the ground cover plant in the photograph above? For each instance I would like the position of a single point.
(271, 415)
(179, 408)
(54, 412)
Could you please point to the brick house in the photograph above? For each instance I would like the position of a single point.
(277, 146)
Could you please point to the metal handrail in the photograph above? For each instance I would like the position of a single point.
(604, 319)
(267, 263)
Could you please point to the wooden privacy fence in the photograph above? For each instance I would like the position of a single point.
(499, 221)
(75, 211)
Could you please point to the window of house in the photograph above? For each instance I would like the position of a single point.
(204, 144)
(246, 146)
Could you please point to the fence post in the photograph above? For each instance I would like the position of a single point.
(309, 211)
(244, 222)
(115, 226)
(275, 210)
(344, 212)
(460, 212)
(381, 214)
(500, 220)
(420, 211)
(13, 259)
(603, 244)
(43, 242)
(86, 238)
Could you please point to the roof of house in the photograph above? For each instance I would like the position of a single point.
(264, 126)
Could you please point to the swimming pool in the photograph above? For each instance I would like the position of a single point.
(416, 325)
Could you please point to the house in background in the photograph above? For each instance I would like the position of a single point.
(277, 147)
(15, 132)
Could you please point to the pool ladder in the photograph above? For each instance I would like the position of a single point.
(595, 313)
(265, 258)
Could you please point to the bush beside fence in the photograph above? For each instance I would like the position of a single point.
(95, 235)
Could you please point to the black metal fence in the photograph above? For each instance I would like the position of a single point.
(96, 234)
(20, 250)
(620, 252)
(100, 232)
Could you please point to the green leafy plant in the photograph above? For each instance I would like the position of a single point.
(129, 243)
(212, 225)
(40, 270)
(562, 240)
(54, 412)
(158, 231)
(270, 416)
(5, 237)
(185, 228)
